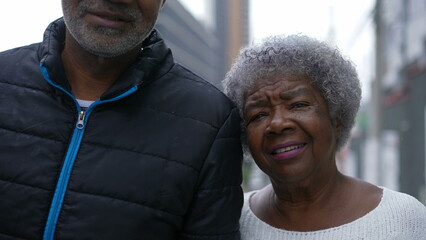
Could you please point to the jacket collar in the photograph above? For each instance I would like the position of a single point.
(154, 61)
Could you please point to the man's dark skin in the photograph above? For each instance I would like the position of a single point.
(91, 73)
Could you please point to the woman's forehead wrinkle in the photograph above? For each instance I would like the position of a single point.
(255, 103)
(256, 100)
(294, 93)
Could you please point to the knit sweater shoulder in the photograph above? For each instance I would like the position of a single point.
(398, 216)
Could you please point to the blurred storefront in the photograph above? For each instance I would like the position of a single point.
(392, 142)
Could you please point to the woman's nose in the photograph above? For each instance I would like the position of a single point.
(280, 122)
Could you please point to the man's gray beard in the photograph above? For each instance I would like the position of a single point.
(106, 42)
(102, 41)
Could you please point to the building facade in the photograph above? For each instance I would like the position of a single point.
(397, 114)
(206, 50)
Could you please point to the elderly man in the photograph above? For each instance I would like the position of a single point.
(104, 136)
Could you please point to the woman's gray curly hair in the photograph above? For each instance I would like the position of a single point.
(333, 75)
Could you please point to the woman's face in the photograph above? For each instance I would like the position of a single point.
(289, 129)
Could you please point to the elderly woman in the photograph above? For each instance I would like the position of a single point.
(298, 99)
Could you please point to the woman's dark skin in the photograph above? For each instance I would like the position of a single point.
(292, 138)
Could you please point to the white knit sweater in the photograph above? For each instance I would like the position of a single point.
(397, 217)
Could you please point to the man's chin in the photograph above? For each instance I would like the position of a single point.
(107, 42)
(105, 52)
(104, 48)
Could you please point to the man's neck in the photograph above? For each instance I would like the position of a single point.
(90, 76)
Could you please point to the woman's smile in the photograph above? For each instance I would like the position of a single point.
(287, 151)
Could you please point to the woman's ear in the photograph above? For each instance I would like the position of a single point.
(339, 127)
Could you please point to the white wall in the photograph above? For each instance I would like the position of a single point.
(23, 22)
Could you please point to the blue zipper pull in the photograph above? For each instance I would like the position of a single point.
(80, 122)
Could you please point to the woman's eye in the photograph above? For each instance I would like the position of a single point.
(299, 105)
(257, 116)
